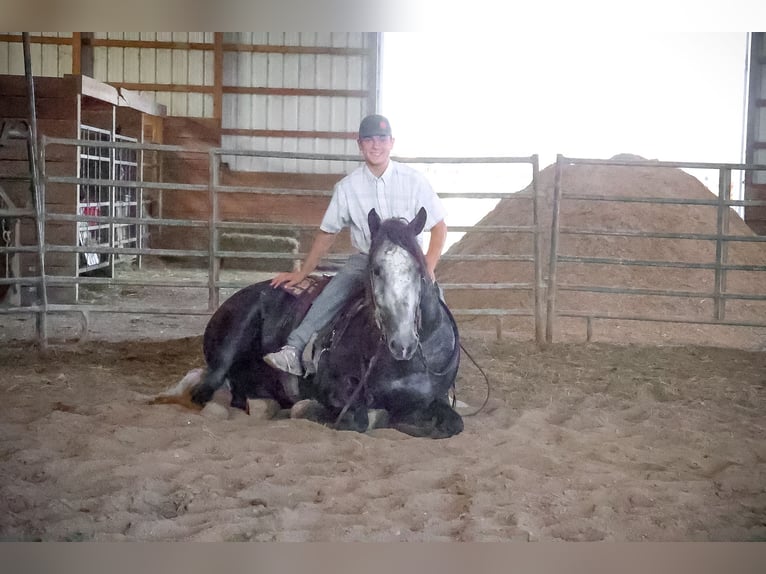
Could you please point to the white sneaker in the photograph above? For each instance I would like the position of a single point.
(287, 359)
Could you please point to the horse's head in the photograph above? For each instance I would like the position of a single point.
(397, 273)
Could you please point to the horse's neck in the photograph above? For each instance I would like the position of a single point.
(430, 307)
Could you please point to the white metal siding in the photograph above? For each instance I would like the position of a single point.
(758, 107)
(241, 69)
(340, 113)
(47, 59)
(160, 66)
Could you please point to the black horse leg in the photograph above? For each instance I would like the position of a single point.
(354, 419)
(212, 381)
(438, 420)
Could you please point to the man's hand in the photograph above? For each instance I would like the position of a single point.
(322, 243)
(431, 269)
(435, 246)
(288, 278)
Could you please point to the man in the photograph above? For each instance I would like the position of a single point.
(394, 190)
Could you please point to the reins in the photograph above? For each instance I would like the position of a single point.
(362, 384)
(486, 378)
(450, 364)
(452, 358)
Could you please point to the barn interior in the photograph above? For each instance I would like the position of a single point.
(229, 146)
(612, 310)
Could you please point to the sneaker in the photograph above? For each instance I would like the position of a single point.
(287, 359)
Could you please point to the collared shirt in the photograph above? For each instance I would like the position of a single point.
(399, 192)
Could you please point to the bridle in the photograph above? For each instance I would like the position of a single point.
(376, 312)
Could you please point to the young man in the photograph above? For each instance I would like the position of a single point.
(394, 190)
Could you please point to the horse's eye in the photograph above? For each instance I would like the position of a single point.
(376, 270)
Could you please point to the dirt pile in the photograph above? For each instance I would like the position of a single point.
(614, 182)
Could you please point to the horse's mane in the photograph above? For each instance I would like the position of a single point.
(397, 231)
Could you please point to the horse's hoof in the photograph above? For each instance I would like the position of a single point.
(215, 410)
(262, 409)
(307, 409)
(377, 419)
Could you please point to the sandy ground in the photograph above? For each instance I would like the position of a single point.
(578, 443)
(635, 441)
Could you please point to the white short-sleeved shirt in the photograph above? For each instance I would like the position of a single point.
(400, 192)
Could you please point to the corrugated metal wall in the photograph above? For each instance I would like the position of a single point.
(756, 132)
(191, 66)
(755, 144)
(278, 91)
(307, 99)
(48, 58)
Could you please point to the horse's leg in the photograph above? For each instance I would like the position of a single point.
(354, 419)
(438, 420)
(211, 382)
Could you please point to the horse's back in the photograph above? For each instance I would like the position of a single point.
(241, 319)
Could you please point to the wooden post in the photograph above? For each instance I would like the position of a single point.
(76, 53)
(218, 78)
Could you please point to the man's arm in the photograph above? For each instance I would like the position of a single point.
(321, 245)
(435, 246)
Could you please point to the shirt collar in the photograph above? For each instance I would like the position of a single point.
(385, 176)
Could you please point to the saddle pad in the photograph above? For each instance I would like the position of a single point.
(308, 289)
(311, 286)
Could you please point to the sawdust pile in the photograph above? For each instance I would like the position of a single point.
(697, 284)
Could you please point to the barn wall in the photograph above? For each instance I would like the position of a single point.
(273, 91)
(180, 61)
(277, 91)
(51, 53)
(755, 148)
(307, 98)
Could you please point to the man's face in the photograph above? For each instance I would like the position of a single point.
(376, 149)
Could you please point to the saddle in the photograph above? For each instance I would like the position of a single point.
(305, 293)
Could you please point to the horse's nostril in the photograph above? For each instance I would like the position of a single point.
(398, 351)
(402, 352)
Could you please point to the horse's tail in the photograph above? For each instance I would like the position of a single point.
(218, 369)
(181, 392)
(197, 387)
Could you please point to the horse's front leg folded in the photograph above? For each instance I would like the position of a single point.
(437, 420)
(354, 419)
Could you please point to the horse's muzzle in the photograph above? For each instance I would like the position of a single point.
(402, 352)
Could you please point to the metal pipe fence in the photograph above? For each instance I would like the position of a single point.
(545, 290)
(214, 224)
(719, 265)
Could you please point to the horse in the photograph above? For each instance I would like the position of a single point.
(396, 348)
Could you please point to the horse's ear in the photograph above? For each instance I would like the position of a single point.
(417, 224)
(373, 220)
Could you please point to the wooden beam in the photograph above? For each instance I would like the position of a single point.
(287, 133)
(320, 50)
(257, 48)
(139, 87)
(295, 92)
(36, 39)
(218, 78)
(109, 43)
(229, 47)
(134, 100)
(76, 53)
(98, 90)
(193, 88)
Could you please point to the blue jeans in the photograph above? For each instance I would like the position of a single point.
(348, 282)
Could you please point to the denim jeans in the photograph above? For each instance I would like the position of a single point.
(348, 282)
